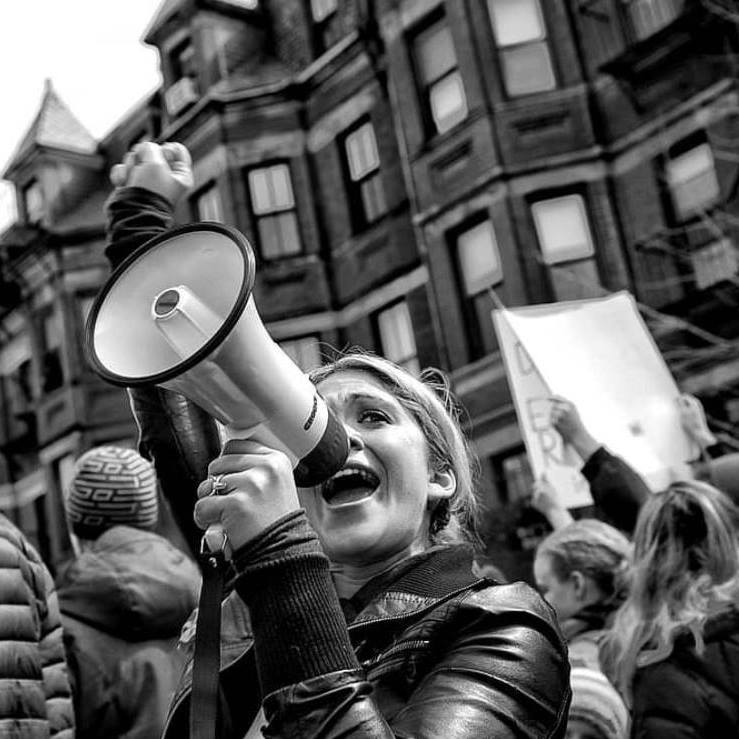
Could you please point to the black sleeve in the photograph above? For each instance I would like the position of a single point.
(135, 216)
(176, 434)
(618, 490)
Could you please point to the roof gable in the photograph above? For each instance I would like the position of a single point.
(56, 127)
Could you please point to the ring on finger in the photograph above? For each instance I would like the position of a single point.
(217, 484)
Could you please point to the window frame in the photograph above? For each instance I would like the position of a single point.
(505, 51)
(571, 254)
(424, 87)
(33, 215)
(275, 214)
(675, 156)
(409, 361)
(370, 179)
(209, 187)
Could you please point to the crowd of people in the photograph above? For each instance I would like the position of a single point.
(360, 607)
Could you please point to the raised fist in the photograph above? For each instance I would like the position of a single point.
(165, 169)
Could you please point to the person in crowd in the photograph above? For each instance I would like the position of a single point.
(123, 600)
(544, 499)
(717, 462)
(582, 570)
(673, 650)
(355, 610)
(36, 697)
(597, 710)
(618, 490)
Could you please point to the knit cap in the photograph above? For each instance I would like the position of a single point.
(596, 703)
(111, 486)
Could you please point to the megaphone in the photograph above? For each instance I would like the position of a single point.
(179, 313)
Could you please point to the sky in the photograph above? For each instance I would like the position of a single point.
(93, 54)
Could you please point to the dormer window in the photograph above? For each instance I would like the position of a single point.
(183, 90)
(33, 201)
(182, 61)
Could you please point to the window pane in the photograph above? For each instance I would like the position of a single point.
(282, 189)
(562, 229)
(269, 240)
(14, 353)
(435, 53)
(690, 164)
(692, 179)
(209, 206)
(528, 69)
(361, 152)
(448, 103)
(287, 225)
(278, 235)
(322, 9)
(34, 201)
(479, 259)
(648, 16)
(270, 189)
(305, 352)
(373, 198)
(396, 333)
(713, 263)
(261, 200)
(516, 21)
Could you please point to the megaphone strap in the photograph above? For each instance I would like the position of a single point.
(204, 713)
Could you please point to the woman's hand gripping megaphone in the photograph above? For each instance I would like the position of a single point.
(250, 487)
(165, 169)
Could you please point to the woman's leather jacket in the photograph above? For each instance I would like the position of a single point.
(469, 658)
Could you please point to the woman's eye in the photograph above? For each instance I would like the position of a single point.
(372, 416)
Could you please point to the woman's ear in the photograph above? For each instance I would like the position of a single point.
(442, 484)
(579, 584)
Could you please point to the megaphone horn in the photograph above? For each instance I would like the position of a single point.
(179, 313)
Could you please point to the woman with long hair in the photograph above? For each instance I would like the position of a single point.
(582, 569)
(673, 650)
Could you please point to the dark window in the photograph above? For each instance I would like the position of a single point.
(182, 61)
(52, 368)
(362, 161)
(475, 253)
(326, 31)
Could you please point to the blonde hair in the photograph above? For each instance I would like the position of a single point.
(592, 547)
(686, 563)
(430, 403)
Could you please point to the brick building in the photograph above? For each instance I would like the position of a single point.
(392, 161)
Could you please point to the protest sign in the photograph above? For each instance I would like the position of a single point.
(600, 355)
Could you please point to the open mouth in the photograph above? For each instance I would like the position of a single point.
(349, 486)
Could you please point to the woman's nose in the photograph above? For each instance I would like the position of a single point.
(355, 439)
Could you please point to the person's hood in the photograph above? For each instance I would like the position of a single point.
(132, 584)
(720, 661)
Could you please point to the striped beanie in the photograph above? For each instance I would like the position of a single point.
(111, 486)
(597, 704)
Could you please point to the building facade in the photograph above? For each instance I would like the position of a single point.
(401, 167)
